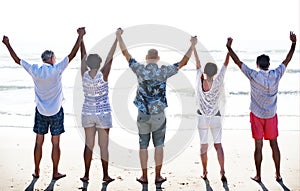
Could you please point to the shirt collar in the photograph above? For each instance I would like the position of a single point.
(264, 71)
(151, 65)
(47, 64)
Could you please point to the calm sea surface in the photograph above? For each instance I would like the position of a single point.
(17, 90)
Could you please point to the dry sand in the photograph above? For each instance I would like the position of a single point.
(183, 173)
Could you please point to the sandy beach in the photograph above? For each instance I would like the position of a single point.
(183, 172)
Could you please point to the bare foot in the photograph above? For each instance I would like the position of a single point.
(84, 179)
(142, 180)
(160, 179)
(108, 179)
(278, 178)
(256, 179)
(204, 176)
(36, 174)
(58, 176)
(223, 177)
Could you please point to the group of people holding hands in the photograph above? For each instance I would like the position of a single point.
(150, 101)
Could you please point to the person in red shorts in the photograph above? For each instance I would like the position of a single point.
(264, 88)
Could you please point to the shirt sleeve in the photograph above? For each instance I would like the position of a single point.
(171, 69)
(61, 66)
(28, 67)
(280, 70)
(133, 64)
(247, 71)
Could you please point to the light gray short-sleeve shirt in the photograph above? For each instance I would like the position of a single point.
(264, 89)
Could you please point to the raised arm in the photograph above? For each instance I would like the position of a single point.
(227, 59)
(188, 54)
(122, 44)
(289, 56)
(11, 51)
(198, 65)
(234, 57)
(108, 62)
(81, 33)
(84, 67)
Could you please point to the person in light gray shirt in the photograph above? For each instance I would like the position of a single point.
(263, 118)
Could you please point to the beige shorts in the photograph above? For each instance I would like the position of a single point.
(102, 121)
(209, 128)
(154, 125)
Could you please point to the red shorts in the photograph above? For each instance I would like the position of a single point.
(264, 128)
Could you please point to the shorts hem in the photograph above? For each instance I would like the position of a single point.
(157, 146)
(55, 134)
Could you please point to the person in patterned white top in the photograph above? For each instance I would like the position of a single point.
(209, 92)
(151, 101)
(263, 117)
(96, 111)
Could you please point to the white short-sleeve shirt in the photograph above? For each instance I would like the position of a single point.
(47, 85)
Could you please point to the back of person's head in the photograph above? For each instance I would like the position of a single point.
(210, 69)
(263, 62)
(93, 61)
(46, 55)
(152, 55)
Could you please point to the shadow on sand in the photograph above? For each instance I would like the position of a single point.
(209, 188)
(282, 185)
(86, 183)
(30, 187)
(51, 185)
(260, 184)
(157, 186)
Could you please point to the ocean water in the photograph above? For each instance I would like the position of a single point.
(17, 90)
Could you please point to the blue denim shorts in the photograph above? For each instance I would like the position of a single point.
(43, 123)
(151, 124)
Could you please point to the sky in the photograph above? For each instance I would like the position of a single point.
(52, 24)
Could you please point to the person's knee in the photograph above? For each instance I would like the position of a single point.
(159, 148)
(203, 149)
(258, 144)
(218, 146)
(55, 141)
(274, 144)
(39, 139)
(144, 140)
(55, 145)
(90, 144)
(39, 144)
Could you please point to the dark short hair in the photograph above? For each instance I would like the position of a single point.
(46, 55)
(263, 62)
(210, 69)
(93, 61)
